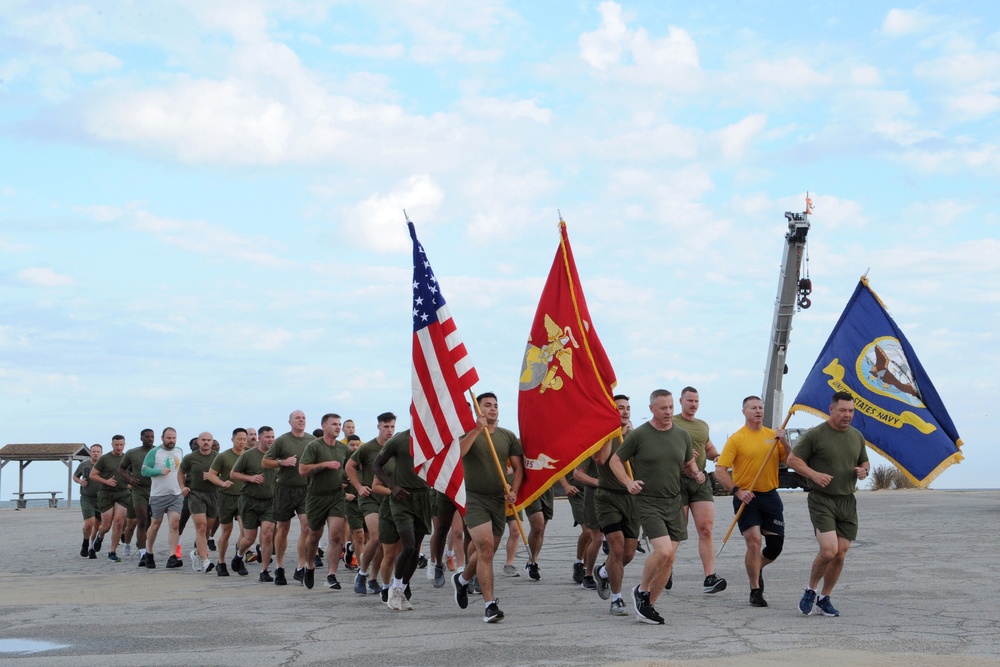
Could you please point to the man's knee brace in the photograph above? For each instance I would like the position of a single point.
(773, 545)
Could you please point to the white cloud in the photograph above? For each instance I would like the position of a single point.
(375, 51)
(377, 223)
(492, 107)
(734, 139)
(902, 22)
(44, 277)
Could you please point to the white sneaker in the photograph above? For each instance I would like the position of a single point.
(196, 563)
(128, 550)
(430, 571)
(396, 599)
(405, 604)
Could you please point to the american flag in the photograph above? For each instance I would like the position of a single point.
(442, 374)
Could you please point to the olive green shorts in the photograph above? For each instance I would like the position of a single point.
(229, 507)
(289, 501)
(370, 504)
(577, 505)
(616, 511)
(387, 533)
(413, 512)
(139, 497)
(355, 519)
(693, 492)
(106, 500)
(321, 507)
(661, 517)
(88, 505)
(255, 511)
(834, 513)
(480, 509)
(544, 504)
(204, 502)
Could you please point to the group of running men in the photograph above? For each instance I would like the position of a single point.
(368, 499)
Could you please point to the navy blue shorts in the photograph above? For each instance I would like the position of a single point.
(765, 510)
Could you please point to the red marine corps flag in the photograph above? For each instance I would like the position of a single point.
(442, 373)
(565, 407)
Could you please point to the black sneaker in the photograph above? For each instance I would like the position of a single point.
(638, 547)
(579, 572)
(637, 599)
(113, 557)
(532, 569)
(317, 562)
(98, 542)
(209, 566)
(422, 562)
(648, 615)
(474, 586)
(760, 580)
(85, 549)
(461, 591)
(319, 551)
(618, 608)
(174, 562)
(348, 554)
(588, 583)
(331, 582)
(384, 593)
(299, 575)
(222, 570)
(604, 547)
(92, 555)
(492, 613)
(142, 560)
(670, 582)
(714, 584)
(211, 544)
(265, 577)
(150, 562)
(603, 585)
(407, 593)
(238, 566)
(757, 598)
(308, 577)
(279, 577)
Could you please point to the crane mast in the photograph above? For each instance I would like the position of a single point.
(793, 293)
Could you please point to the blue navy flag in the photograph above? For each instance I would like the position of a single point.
(897, 408)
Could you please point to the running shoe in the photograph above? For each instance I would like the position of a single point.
(150, 562)
(360, 584)
(421, 562)
(374, 588)
(604, 547)
(807, 602)
(128, 550)
(265, 577)
(670, 582)
(209, 566)
(757, 598)
(98, 542)
(332, 583)
(714, 584)
(648, 615)
(825, 606)
(221, 570)
(348, 553)
(142, 560)
(113, 557)
(474, 586)
(238, 567)
(384, 592)
(760, 580)
(395, 601)
(450, 562)
(430, 571)
(211, 544)
(196, 563)
(636, 599)
(406, 605)
(439, 581)
(461, 591)
(579, 572)
(174, 562)
(406, 590)
(317, 562)
(85, 549)
(251, 557)
(298, 574)
(588, 583)
(618, 607)
(532, 569)
(603, 585)
(308, 577)
(492, 613)
(91, 554)
(510, 571)
(279, 577)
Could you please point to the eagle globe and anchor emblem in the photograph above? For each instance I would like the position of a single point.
(542, 365)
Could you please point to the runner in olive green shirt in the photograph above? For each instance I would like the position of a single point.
(322, 465)
(113, 496)
(256, 502)
(139, 487)
(289, 494)
(228, 497)
(88, 501)
(201, 496)
(833, 457)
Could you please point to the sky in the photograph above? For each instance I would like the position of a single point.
(201, 204)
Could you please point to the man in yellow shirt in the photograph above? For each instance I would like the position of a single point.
(747, 451)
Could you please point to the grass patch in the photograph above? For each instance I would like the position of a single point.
(887, 477)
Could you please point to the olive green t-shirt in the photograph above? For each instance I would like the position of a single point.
(132, 462)
(397, 448)
(605, 478)
(285, 446)
(364, 457)
(836, 453)
(698, 430)
(83, 472)
(658, 457)
(325, 481)
(195, 465)
(223, 464)
(481, 474)
(251, 463)
(107, 467)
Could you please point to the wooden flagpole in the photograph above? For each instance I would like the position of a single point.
(750, 489)
(503, 473)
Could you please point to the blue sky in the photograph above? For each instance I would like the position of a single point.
(201, 203)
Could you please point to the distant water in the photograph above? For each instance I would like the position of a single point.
(35, 503)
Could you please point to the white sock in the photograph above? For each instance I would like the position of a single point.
(602, 572)
(463, 581)
(616, 596)
(142, 552)
(577, 561)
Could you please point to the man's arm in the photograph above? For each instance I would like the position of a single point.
(568, 488)
(580, 475)
(711, 453)
(466, 442)
(395, 490)
(517, 463)
(602, 454)
(148, 463)
(212, 476)
(351, 470)
(95, 476)
(634, 486)
(692, 471)
(125, 470)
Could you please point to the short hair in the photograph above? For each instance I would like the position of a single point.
(751, 398)
(328, 416)
(265, 429)
(239, 429)
(117, 437)
(145, 431)
(841, 396)
(658, 393)
(386, 417)
(688, 390)
(621, 397)
(317, 433)
(349, 420)
(193, 443)
(169, 428)
(97, 444)
(352, 438)
(483, 397)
